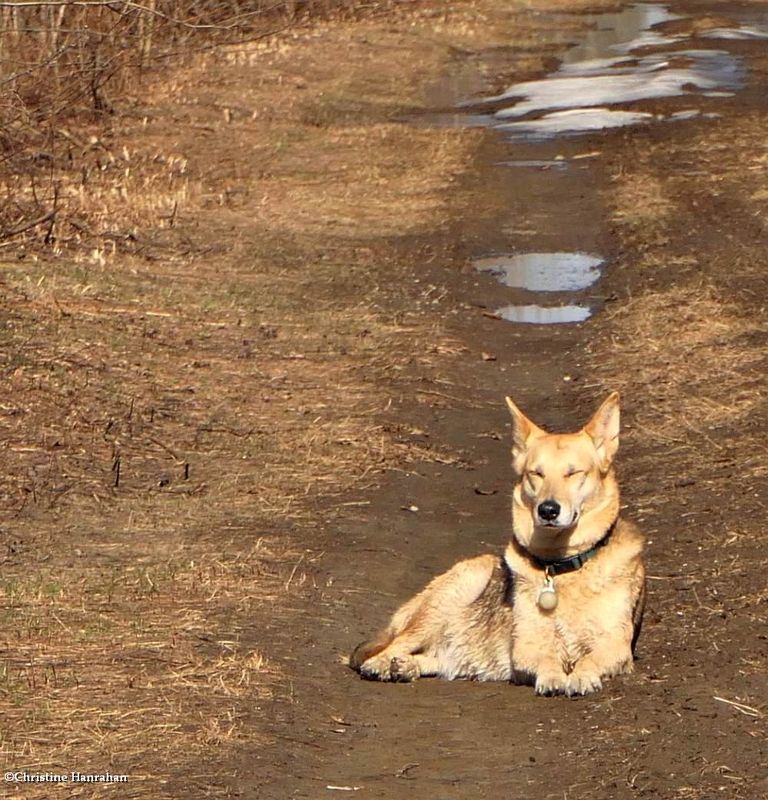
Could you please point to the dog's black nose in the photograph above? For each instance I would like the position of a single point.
(549, 510)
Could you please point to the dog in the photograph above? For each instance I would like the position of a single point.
(562, 608)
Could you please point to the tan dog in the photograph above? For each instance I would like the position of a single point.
(562, 608)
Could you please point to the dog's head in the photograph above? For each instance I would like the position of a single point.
(564, 477)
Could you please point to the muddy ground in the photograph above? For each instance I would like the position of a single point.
(215, 437)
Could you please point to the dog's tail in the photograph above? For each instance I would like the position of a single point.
(370, 648)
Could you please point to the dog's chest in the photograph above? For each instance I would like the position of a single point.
(563, 629)
(588, 608)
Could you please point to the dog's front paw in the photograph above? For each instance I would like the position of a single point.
(404, 669)
(581, 683)
(549, 683)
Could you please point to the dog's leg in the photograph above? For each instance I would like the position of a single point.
(384, 640)
(396, 662)
(550, 677)
(612, 652)
(537, 657)
(613, 656)
(428, 665)
(406, 650)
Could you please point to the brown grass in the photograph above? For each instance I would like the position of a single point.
(67, 69)
(641, 207)
(141, 636)
(689, 350)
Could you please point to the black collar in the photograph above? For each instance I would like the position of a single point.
(559, 566)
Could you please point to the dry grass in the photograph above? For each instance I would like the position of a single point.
(158, 458)
(691, 369)
(692, 348)
(690, 353)
(66, 70)
(142, 635)
(642, 209)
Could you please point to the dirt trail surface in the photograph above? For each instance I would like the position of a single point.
(233, 451)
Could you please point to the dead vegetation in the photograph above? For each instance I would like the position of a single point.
(115, 665)
(69, 72)
(641, 208)
(694, 357)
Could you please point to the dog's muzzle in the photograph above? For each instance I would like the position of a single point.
(548, 511)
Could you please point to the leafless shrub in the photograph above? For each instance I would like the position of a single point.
(66, 67)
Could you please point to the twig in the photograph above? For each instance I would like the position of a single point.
(293, 572)
(442, 394)
(167, 449)
(748, 711)
(26, 226)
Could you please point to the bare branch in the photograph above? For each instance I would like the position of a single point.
(22, 227)
(116, 5)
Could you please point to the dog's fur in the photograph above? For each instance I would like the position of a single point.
(481, 619)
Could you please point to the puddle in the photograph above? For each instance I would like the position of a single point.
(548, 163)
(742, 34)
(545, 315)
(574, 121)
(688, 113)
(628, 28)
(623, 60)
(611, 82)
(647, 39)
(618, 63)
(544, 272)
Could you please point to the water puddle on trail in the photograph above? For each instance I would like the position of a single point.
(736, 34)
(544, 272)
(574, 98)
(616, 65)
(545, 315)
(642, 65)
(542, 163)
(580, 120)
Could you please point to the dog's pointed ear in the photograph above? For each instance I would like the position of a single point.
(522, 432)
(603, 429)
